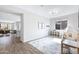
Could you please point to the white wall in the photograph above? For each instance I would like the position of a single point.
(29, 27)
(31, 30)
(72, 21)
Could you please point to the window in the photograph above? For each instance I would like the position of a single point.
(61, 25)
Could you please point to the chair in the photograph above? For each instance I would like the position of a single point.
(70, 42)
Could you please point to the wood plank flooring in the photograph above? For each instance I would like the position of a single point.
(17, 47)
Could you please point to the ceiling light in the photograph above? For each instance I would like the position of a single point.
(41, 5)
(54, 11)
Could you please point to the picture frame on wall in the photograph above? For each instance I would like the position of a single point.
(41, 25)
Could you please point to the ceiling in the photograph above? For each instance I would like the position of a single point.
(8, 17)
(50, 11)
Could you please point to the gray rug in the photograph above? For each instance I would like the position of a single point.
(48, 45)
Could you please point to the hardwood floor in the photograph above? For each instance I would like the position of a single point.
(17, 47)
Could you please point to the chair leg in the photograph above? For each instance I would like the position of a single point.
(69, 50)
(78, 50)
(61, 48)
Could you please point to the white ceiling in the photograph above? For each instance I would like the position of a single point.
(50, 11)
(8, 17)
